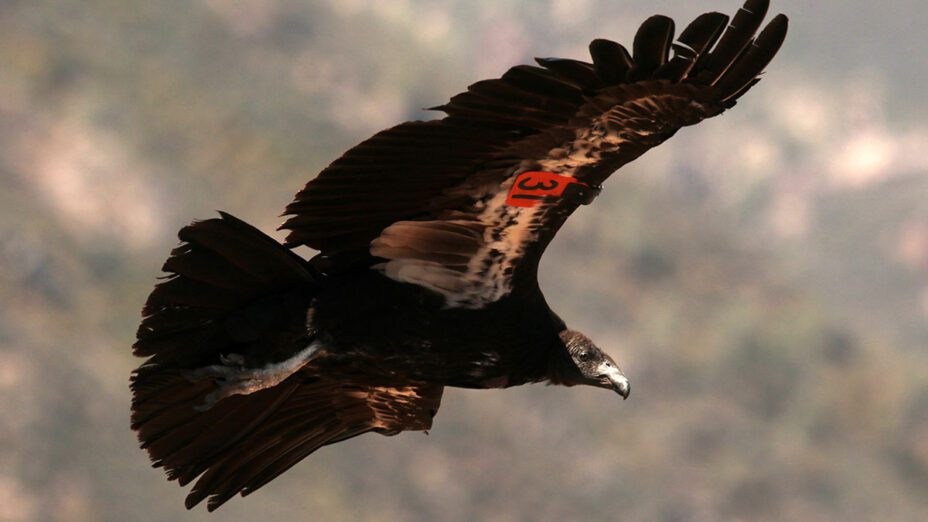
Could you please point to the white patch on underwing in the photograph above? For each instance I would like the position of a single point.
(483, 273)
(487, 275)
(509, 230)
(605, 135)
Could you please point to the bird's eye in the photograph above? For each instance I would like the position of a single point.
(584, 356)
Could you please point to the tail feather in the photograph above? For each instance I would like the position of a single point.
(225, 272)
(230, 289)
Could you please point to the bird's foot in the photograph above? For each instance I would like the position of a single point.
(232, 378)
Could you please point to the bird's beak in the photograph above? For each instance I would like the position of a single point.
(622, 386)
(618, 381)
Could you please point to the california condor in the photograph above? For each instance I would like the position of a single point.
(429, 237)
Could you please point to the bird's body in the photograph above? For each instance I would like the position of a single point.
(409, 334)
(429, 237)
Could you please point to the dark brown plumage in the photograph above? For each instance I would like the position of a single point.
(429, 236)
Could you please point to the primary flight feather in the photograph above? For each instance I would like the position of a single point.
(429, 237)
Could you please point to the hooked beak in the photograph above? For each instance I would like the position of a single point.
(618, 381)
(622, 387)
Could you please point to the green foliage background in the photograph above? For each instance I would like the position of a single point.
(763, 278)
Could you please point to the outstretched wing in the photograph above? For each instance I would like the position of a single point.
(465, 205)
(283, 425)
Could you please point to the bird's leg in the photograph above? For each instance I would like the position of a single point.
(232, 378)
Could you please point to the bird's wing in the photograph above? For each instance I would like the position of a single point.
(283, 425)
(465, 205)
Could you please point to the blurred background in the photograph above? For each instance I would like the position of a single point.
(763, 277)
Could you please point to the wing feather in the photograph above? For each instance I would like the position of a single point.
(652, 44)
(692, 44)
(579, 73)
(611, 61)
(758, 55)
(736, 37)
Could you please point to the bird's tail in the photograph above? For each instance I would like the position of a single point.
(233, 297)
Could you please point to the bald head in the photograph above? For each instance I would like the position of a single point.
(593, 366)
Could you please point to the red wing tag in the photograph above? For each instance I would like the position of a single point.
(529, 188)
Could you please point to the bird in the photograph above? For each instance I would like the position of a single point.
(429, 236)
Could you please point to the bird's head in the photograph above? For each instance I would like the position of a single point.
(592, 366)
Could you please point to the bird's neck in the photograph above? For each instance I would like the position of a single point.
(561, 368)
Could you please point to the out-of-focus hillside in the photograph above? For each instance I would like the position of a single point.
(762, 277)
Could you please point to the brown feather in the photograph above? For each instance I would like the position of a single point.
(757, 56)
(611, 61)
(734, 40)
(579, 73)
(652, 44)
(692, 46)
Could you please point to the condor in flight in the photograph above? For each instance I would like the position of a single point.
(429, 237)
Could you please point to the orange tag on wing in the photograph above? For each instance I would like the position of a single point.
(531, 187)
